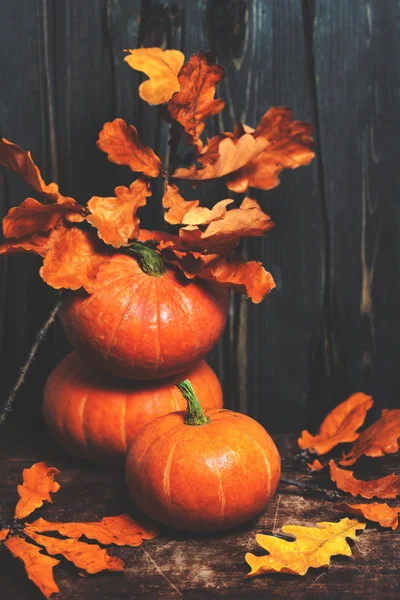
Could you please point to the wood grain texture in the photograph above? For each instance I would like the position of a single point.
(191, 566)
(329, 328)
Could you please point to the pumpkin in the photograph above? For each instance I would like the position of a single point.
(144, 320)
(202, 471)
(96, 415)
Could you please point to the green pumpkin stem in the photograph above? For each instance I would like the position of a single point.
(149, 260)
(194, 413)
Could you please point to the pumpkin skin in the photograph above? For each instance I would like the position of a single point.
(203, 477)
(95, 415)
(143, 327)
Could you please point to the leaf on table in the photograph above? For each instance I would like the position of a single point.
(38, 566)
(195, 101)
(121, 143)
(382, 437)
(313, 547)
(74, 260)
(38, 484)
(89, 557)
(339, 426)
(120, 530)
(385, 488)
(176, 206)
(3, 534)
(381, 513)
(162, 68)
(115, 218)
(315, 465)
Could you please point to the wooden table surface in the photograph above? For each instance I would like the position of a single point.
(175, 565)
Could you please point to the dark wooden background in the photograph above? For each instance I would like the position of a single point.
(332, 326)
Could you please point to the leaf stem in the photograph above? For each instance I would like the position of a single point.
(39, 338)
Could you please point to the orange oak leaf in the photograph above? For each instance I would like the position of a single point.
(222, 235)
(339, 426)
(381, 438)
(73, 261)
(385, 487)
(3, 534)
(315, 465)
(38, 484)
(121, 143)
(381, 513)
(195, 100)
(176, 206)
(162, 68)
(120, 530)
(38, 566)
(89, 557)
(289, 146)
(203, 216)
(39, 243)
(20, 161)
(115, 218)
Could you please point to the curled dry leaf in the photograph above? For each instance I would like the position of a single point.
(162, 68)
(381, 438)
(120, 530)
(316, 465)
(381, 513)
(3, 534)
(121, 143)
(339, 426)
(176, 206)
(38, 484)
(89, 557)
(73, 261)
(115, 218)
(195, 100)
(313, 547)
(38, 566)
(385, 487)
(203, 216)
(38, 243)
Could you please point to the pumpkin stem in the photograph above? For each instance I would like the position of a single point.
(149, 260)
(194, 414)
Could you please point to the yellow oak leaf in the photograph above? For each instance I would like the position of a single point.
(313, 547)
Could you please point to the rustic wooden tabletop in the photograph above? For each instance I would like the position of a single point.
(176, 565)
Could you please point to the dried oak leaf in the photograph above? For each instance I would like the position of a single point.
(121, 143)
(195, 100)
(313, 547)
(74, 260)
(339, 426)
(120, 530)
(381, 513)
(3, 534)
(176, 206)
(162, 68)
(385, 488)
(315, 465)
(381, 438)
(38, 484)
(38, 566)
(115, 218)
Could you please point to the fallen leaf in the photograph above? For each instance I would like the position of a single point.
(89, 557)
(3, 534)
(381, 513)
(316, 465)
(176, 206)
(115, 218)
(120, 530)
(162, 68)
(289, 146)
(38, 484)
(195, 101)
(73, 261)
(313, 547)
(385, 487)
(122, 145)
(377, 440)
(339, 426)
(38, 566)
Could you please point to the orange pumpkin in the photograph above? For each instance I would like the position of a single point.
(95, 415)
(144, 326)
(202, 471)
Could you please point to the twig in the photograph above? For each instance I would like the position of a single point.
(40, 336)
(311, 489)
